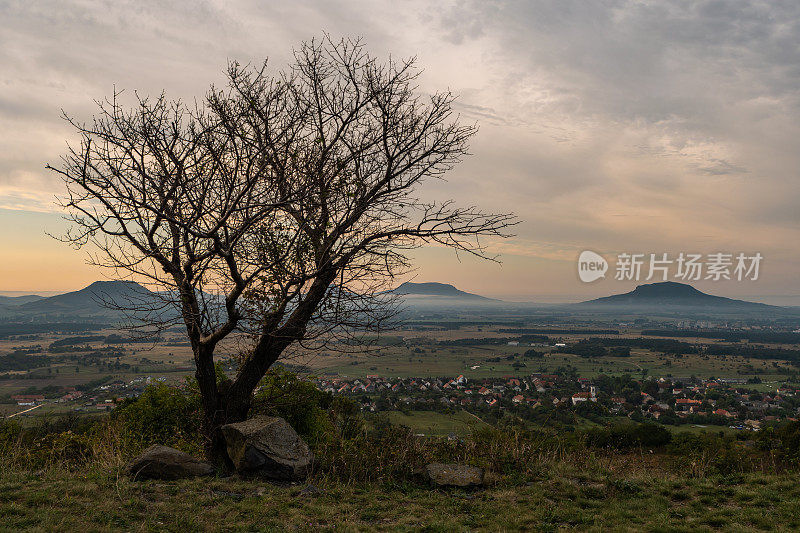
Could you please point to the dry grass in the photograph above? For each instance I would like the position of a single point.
(364, 484)
(564, 498)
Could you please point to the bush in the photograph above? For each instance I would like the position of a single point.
(65, 441)
(716, 454)
(623, 436)
(62, 449)
(395, 455)
(161, 415)
(316, 416)
(782, 440)
(590, 410)
(789, 437)
(10, 432)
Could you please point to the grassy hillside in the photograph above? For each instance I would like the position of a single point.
(596, 500)
(69, 474)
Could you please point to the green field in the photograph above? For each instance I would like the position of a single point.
(437, 424)
(420, 355)
(476, 362)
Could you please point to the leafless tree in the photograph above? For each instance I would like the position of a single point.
(280, 207)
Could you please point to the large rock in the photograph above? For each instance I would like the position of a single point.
(163, 462)
(453, 475)
(269, 447)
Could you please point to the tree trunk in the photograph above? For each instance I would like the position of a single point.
(227, 408)
(215, 448)
(213, 408)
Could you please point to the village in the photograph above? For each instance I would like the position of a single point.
(668, 400)
(98, 398)
(732, 402)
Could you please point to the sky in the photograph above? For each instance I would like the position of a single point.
(639, 127)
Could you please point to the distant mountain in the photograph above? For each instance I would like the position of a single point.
(671, 294)
(12, 301)
(92, 301)
(438, 291)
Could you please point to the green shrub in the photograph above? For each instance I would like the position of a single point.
(715, 454)
(62, 449)
(395, 455)
(64, 441)
(317, 416)
(10, 432)
(161, 415)
(624, 436)
(789, 437)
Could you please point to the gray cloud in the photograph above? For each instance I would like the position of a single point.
(647, 124)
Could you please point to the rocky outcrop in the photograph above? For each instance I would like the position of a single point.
(454, 475)
(163, 462)
(268, 447)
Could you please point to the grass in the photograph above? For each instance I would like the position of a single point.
(452, 361)
(437, 424)
(566, 500)
(702, 428)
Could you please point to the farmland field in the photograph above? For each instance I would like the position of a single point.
(475, 352)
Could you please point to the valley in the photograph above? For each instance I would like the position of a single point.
(87, 368)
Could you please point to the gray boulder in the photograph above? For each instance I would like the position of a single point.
(163, 462)
(269, 447)
(453, 475)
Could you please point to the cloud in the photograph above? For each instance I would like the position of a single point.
(24, 199)
(610, 125)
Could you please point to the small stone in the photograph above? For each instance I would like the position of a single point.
(310, 490)
(454, 475)
(163, 462)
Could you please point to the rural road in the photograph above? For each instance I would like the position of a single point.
(26, 410)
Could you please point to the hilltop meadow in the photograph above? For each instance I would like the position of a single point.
(70, 473)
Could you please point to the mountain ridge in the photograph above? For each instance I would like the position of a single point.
(13, 301)
(434, 289)
(673, 294)
(92, 300)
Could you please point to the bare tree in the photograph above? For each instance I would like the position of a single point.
(280, 207)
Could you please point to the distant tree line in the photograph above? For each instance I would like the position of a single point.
(657, 345)
(561, 331)
(782, 337)
(27, 328)
(754, 352)
(598, 347)
(22, 360)
(457, 324)
(119, 339)
(73, 341)
(494, 341)
(593, 348)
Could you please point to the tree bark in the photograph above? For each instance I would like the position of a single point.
(230, 410)
(212, 405)
(221, 404)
